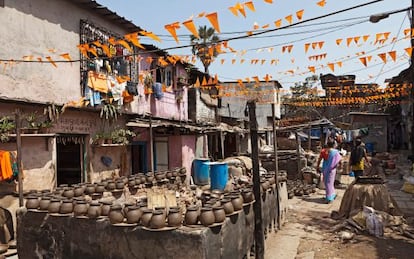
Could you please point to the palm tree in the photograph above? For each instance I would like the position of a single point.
(201, 45)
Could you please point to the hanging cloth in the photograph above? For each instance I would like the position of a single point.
(6, 170)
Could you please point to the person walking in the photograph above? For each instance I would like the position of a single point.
(357, 157)
(331, 159)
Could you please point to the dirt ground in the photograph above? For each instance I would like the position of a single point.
(308, 233)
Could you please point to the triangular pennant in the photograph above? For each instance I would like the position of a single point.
(383, 56)
(51, 61)
(348, 41)
(202, 14)
(267, 77)
(222, 61)
(262, 61)
(197, 83)
(124, 44)
(386, 35)
(240, 8)
(234, 11)
(289, 48)
(66, 56)
(331, 66)
(409, 51)
(250, 5)
(189, 24)
(299, 14)
(233, 61)
(369, 58)
(356, 39)
(321, 3)
(393, 55)
(150, 35)
(242, 60)
(307, 47)
(278, 23)
(314, 44)
(320, 44)
(339, 63)
(338, 41)
(289, 19)
(265, 26)
(269, 1)
(213, 18)
(133, 38)
(204, 81)
(312, 69)
(365, 38)
(172, 29)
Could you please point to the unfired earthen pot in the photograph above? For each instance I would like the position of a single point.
(90, 188)
(207, 216)
(68, 193)
(247, 195)
(227, 206)
(66, 206)
(100, 188)
(237, 201)
(80, 208)
(115, 214)
(105, 207)
(54, 205)
(44, 202)
(219, 214)
(175, 218)
(94, 210)
(146, 217)
(134, 214)
(157, 219)
(32, 202)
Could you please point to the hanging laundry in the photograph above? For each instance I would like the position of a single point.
(6, 170)
(157, 88)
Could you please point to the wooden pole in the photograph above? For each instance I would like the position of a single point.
(19, 157)
(309, 138)
(257, 206)
(298, 145)
(276, 164)
(151, 145)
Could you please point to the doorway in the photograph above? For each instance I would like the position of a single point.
(139, 157)
(70, 157)
(161, 153)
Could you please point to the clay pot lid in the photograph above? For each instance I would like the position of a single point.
(157, 212)
(133, 207)
(95, 203)
(67, 201)
(147, 210)
(46, 198)
(192, 207)
(116, 207)
(218, 207)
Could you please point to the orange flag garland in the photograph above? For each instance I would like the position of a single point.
(51, 61)
(393, 55)
(250, 5)
(172, 29)
(213, 18)
(278, 23)
(189, 24)
(299, 14)
(289, 19)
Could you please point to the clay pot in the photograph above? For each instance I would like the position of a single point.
(90, 188)
(191, 215)
(115, 214)
(94, 210)
(119, 184)
(219, 214)
(142, 177)
(80, 208)
(149, 177)
(264, 185)
(237, 201)
(111, 186)
(207, 216)
(78, 190)
(157, 219)
(32, 202)
(159, 176)
(134, 214)
(146, 217)
(247, 195)
(132, 181)
(169, 174)
(124, 179)
(54, 206)
(175, 218)
(117, 193)
(100, 188)
(66, 207)
(133, 189)
(105, 207)
(127, 205)
(44, 202)
(68, 193)
(175, 172)
(164, 211)
(227, 206)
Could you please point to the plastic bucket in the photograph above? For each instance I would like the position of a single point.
(369, 147)
(201, 171)
(219, 174)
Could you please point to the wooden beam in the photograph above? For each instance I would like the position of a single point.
(19, 156)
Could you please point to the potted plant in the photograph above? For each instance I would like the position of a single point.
(122, 136)
(6, 127)
(44, 126)
(32, 123)
(99, 138)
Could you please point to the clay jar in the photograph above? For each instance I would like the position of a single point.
(90, 188)
(131, 181)
(150, 177)
(32, 202)
(247, 195)
(159, 176)
(207, 216)
(68, 193)
(66, 206)
(264, 185)
(134, 214)
(175, 218)
(94, 210)
(146, 217)
(227, 206)
(115, 214)
(191, 215)
(120, 184)
(105, 207)
(80, 208)
(219, 214)
(44, 203)
(127, 205)
(157, 219)
(54, 206)
(169, 174)
(110, 186)
(78, 190)
(100, 188)
(237, 201)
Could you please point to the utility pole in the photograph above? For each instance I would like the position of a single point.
(412, 77)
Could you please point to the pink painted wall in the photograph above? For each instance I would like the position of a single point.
(187, 145)
(174, 153)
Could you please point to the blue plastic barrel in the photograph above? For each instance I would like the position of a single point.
(219, 174)
(201, 171)
(369, 147)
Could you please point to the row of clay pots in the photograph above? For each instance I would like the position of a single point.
(206, 215)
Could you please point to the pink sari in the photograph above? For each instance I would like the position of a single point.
(329, 172)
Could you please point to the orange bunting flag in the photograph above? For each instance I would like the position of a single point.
(339, 63)
(250, 5)
(262, 61)
(240, 8)
(150, 35)
(386, 35)
(307, 47)
(212, 17)
(378, 36)
(320, 44)
(289, 19)
(124, 44)
(278, 23)
(256, 78)
(133, 38)
(265, 26)
(312, 69)
(356, 39)
(409, 51)
(363, 60)
(393, 55)
(348, 41)
(51, 61)
(299, 14)
(268, 1)
(267, 77)
(189, 24)
(383, 56)
(204, 81)
(249, 33)
(66, 56)
(314, 44)
(289, 48)
(273, 61)
(242, 61)
(338, 42)
(321, 3)
(234, 11)
(83, 49)
(233, 61)
(197, 83)
(172, 29)
(222, 61)
(202, 14)
(365, 38)
(331, 66)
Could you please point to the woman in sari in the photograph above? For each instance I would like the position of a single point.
(331, 159)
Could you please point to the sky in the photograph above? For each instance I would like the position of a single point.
(286, 67)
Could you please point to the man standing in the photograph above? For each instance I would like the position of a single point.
(356, 159)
